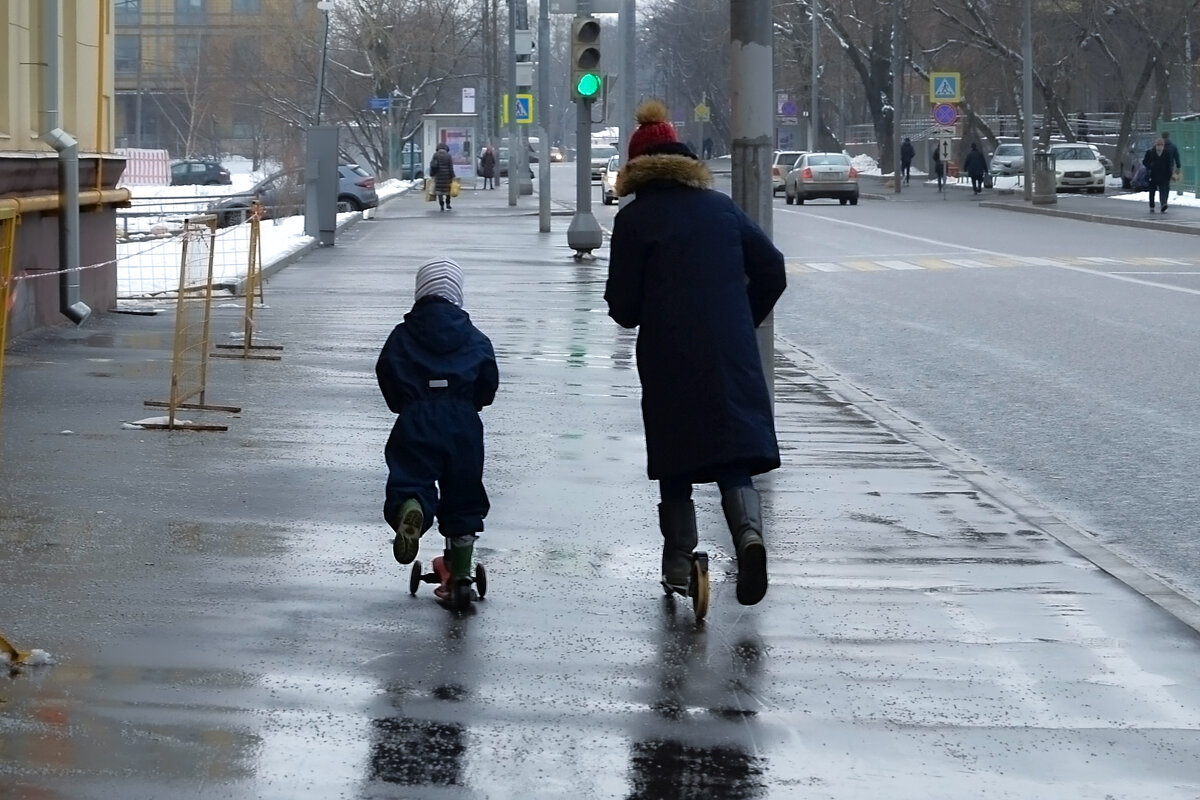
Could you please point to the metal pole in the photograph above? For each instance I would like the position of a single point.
(897, 65)
(543, 109)
(583, 234)
(510, 106)
(628, 23)
(814, 114)
(1027, 98)
(751, 89)
(324, 6)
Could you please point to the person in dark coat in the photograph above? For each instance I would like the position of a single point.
(487, 167)
(975, 165)
(1162, 160)
(939, 169)
(907, 154)
(696, 276)
(441, 169)
(437, 371)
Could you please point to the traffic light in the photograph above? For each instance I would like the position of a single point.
(586, 78)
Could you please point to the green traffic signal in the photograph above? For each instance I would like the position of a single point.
(588, 85)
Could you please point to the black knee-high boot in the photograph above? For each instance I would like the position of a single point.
(743, 513)
(677, 520)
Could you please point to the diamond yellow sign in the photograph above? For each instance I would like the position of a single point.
(700, 113)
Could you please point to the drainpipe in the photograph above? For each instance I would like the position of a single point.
(69, 303)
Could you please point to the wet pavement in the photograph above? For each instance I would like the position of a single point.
(228, 620)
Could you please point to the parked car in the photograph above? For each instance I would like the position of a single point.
(1131, 159)
(608, 182)
(356, 188)
(282, 194)
(199, 172)
(783, 161)
(600, 156)
(1008, 160)
(1077, 167)
(1105, 160)
(823, 175)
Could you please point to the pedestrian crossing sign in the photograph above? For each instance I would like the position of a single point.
(945, 87)
(524, 109)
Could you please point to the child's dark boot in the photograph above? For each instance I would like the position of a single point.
(408, 526)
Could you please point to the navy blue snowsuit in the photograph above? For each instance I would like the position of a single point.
(437, 371)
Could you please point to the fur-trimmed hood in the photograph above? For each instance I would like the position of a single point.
(662, 167)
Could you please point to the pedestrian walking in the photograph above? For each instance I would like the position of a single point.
(437, 371)
(907, 154)
(975, 165)
(696, 276)
(1162, 162)
(939, 169)
(487, 167)
(441, 169)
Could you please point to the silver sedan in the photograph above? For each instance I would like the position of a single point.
(822, 175)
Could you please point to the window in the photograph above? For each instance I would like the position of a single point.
(244, 120)
(189, 11)
(246, 54)
(187, 52)
(127, 52)
(247, 6)
(129, 12)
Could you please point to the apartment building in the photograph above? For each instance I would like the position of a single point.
(211, 77)
(56, 108)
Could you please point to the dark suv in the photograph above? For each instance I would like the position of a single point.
(199, 172)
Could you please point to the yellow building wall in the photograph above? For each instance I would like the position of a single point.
(85, 74)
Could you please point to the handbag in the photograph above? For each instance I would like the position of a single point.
(1141, 179)
(428, 189)
(455, 187)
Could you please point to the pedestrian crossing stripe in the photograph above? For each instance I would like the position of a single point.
(987, 261)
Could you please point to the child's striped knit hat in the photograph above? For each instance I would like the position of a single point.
(441, 277)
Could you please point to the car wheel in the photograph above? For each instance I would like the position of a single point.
(854, 200)
(842, 201)
(352, 203)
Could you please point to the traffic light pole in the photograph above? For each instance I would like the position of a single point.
(584, 234)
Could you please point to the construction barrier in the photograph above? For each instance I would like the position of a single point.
(145, 167)
(8, 238)
(193, 318)
(252, 290)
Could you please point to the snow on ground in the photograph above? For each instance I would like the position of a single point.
(148, 263)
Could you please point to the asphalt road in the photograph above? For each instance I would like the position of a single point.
(1074, 377)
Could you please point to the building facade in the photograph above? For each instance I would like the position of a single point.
(56, 88)
(211, 77)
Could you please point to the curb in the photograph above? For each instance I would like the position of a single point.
(1077, 539)
(1191, 230)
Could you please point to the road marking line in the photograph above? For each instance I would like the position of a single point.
(898, 264)
(982, 251)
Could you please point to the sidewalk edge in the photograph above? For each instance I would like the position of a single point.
(1138, 578)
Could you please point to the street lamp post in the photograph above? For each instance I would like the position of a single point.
(324, 6)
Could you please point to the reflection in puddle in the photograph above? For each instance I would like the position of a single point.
(414, 752)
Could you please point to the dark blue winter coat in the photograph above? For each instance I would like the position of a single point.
(696, 275)
(437, 371)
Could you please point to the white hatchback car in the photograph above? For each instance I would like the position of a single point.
(1077, 167)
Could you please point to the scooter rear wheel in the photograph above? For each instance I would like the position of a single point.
(414, 578)
(699, 585)
(480, 580)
